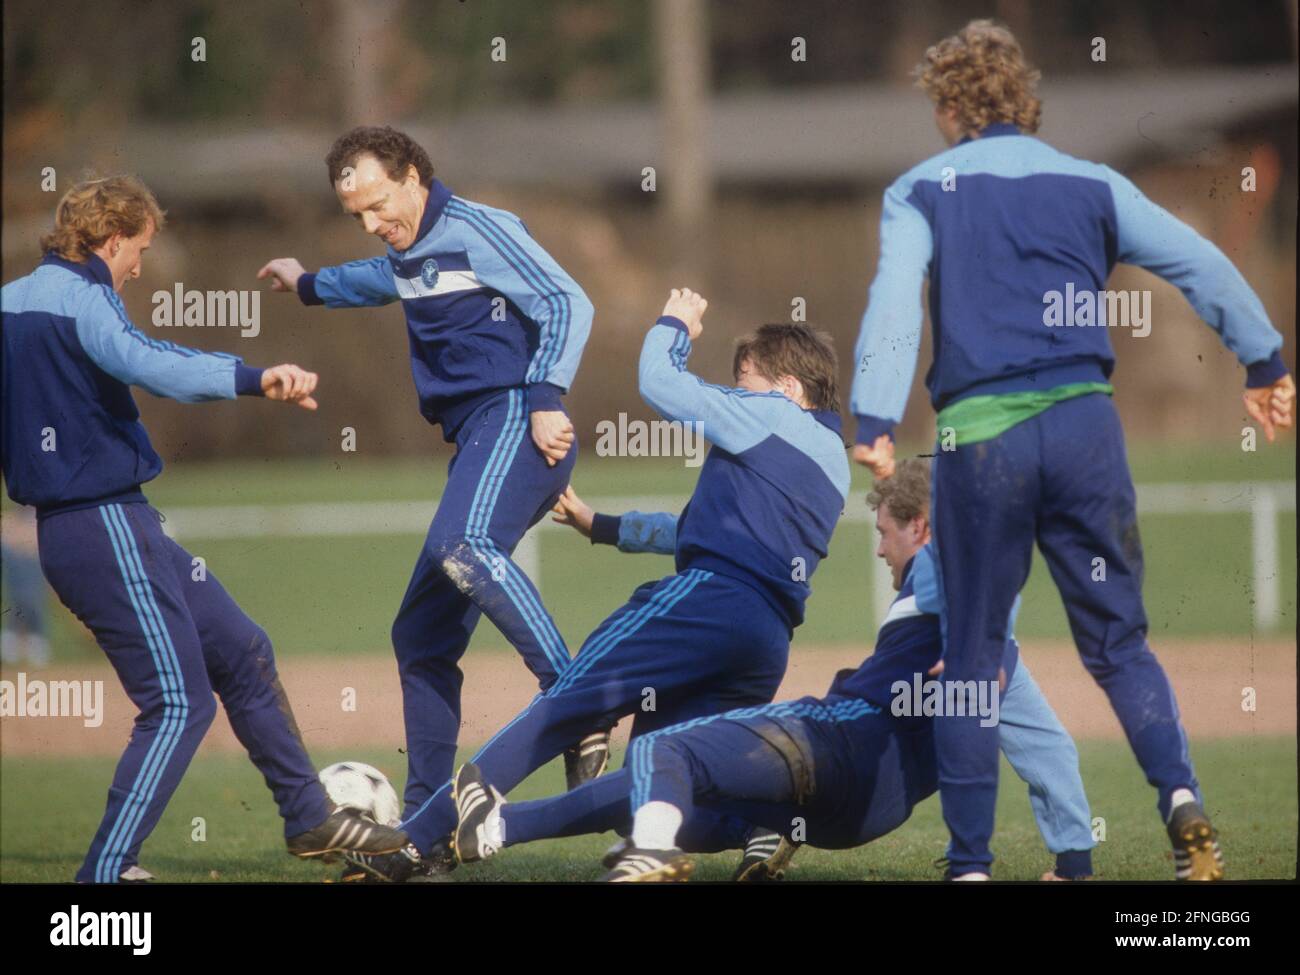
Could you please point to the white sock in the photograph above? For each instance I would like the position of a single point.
(1180, 797)
(496, 825)
(655, 826)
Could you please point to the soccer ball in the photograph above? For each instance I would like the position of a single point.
(356, 785)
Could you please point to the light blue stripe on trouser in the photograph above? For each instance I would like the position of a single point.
(174, 681)
(175, 706)
(485, 498)
(522, 595)
(158, 745)
(677, 587)
(658, 604)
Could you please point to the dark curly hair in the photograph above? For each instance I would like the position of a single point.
(785, 349)
(395, 151)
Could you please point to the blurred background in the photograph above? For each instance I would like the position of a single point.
(771, 129)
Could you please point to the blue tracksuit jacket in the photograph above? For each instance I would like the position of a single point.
(486, 308)
(772, 486)
(1021, 220)
(71, 434)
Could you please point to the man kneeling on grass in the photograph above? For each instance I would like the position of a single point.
(834, 772)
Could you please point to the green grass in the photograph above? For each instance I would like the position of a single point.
(49, 809)
(1197, 566)
(356, 478)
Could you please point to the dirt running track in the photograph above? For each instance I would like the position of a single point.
(1208, 675)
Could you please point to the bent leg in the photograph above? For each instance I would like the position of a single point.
(500, 485)
(241, 668)
(668, 639)
(756, 764)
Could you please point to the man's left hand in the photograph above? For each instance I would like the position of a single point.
(553, 434)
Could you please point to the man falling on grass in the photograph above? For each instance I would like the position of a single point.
(836, 771)
(715, 634)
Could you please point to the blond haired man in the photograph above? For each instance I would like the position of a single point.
(74, 448)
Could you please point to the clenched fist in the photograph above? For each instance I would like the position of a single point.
(688, 306)
(878, 457)
(290, 384)
(553, 434)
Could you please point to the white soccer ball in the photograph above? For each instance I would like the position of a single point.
(356, 785)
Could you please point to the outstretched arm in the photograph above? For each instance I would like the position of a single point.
(1152, 238)
(634, 531)
(357, 284)
(175, 371)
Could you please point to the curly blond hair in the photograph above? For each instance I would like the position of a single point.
(906, 492)
(96, 209)
(982, 73)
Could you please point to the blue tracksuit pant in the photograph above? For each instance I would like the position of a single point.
(1035, 742)
(695, 643)
(833, 772)
(173, 640)
(728, 772)
(498, 486)
(1060, 479)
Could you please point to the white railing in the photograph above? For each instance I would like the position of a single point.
(1262, 500)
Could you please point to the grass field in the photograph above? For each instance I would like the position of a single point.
(1197, 566)
(50, 807)
(1197, 585)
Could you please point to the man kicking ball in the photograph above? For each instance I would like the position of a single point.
(74, 448)
(834, 772)
(496, 329)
